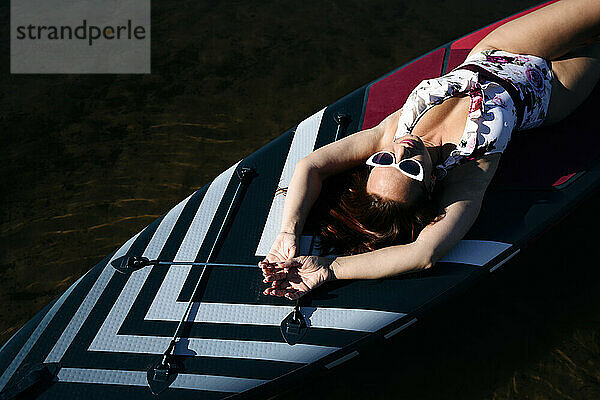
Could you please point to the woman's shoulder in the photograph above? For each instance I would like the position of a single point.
(388, 127)
(475, 174)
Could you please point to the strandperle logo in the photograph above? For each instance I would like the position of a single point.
(80, 36)
(84, 31)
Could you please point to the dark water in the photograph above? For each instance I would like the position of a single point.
(89, 160)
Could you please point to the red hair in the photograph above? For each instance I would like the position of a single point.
(357, 221)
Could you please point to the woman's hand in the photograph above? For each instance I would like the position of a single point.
(284, 247)
(296, 277)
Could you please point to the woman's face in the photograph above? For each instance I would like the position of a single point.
(392, 184)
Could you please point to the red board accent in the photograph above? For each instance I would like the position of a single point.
(389, 94)
(563, 179)
(462, 47)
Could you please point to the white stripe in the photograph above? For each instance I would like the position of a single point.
(215, 383)
(302, 144)
(255, 350)
(118, 313)
(475, 252)
(205, 214)
(138, 378)
(35, 335)
(164, 230)
(158, 240)
(164, 309)
(102, 376)
(67, 336)
(10, 340)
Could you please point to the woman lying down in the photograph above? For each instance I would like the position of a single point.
(532, 71)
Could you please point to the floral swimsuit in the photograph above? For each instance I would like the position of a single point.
(508, 91)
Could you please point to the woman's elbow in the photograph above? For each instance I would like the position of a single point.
(426, 258)
(307, 164)
(426, 264)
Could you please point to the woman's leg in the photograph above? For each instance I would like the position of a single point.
(575, 76)
(550, 32)
(556, 33)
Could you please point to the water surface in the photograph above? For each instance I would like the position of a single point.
(89, 160)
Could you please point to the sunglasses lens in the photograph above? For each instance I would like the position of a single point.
(411, 167)
(383, 159)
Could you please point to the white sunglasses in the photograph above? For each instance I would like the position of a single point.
(409, 167)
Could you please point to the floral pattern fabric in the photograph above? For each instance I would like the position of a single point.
(530, 75)
(492, 114)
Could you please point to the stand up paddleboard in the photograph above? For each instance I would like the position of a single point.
(178, 311)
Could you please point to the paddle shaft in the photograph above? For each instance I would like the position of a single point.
(157, 262)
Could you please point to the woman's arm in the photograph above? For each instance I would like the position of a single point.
(309, 173)
(463, 192)
(312, 170)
